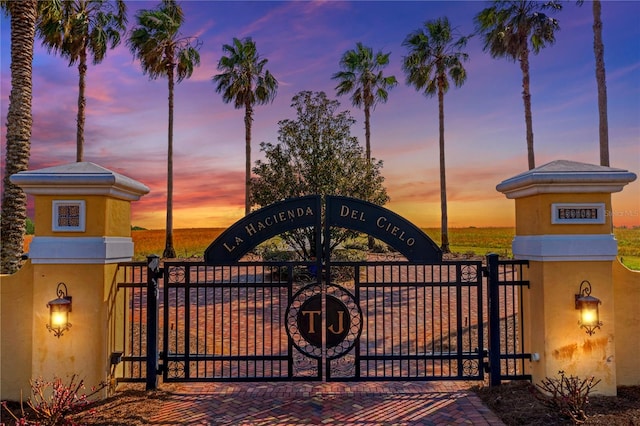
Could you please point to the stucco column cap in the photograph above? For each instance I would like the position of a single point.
(564, 176)
(82, 178)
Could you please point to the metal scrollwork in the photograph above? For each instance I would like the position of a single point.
(469, 273)
(470, 367)
(344, 366)
(175, 369)
(177, 274)
(304, 366)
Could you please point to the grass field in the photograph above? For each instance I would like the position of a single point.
(191, 243)
(188, 243)
(480, 241)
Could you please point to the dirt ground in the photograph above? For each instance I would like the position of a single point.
(516, 404)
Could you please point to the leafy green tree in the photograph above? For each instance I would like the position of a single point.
(316, 154)
(163, 52)
(30, 227)
(245, 82)
(601, 81)
(513, 28)
(13, 218)
(435, 56)
(362, 76)
(86, 28)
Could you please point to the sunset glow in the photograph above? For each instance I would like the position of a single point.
(126, 124)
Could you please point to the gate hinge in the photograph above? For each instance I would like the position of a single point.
(159, 273)
(485, 364)
(161, 366)
(485, 271)
(485, 352)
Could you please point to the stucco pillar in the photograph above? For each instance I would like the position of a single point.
(83, 229)
(564, 229)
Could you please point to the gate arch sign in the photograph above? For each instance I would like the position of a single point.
(343, 212)
(259, 226)
(383, 224)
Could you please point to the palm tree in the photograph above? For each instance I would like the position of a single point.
(362, 74)
(163, 52)
(435, 56)
(86, 28)
(19, 121)
(245, 82)
(511, 29)
(601, 81)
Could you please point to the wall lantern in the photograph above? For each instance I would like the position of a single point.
(588, 306)
(59, 309)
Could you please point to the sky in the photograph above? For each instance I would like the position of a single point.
(126, 121)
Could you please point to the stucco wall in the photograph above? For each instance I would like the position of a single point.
(16, 344)
(626, 285)
(105, 216)
(533, 214)
(554, 330)
(82, 350)
(28, 350)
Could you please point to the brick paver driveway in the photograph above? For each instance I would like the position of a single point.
(370, 403)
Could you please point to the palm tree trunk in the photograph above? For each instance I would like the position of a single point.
(443, 179)
(169, 251)
(598, 50)
(248, 112)
(82, 103)
(526, 97)
(367, 132)
(19, 122)
(367, 138)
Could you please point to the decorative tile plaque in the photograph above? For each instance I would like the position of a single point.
(573, 213)
(68, 216)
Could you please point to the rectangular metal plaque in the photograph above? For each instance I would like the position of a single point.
(577, 213)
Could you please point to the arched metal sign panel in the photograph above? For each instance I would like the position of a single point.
(261, 225)
(384, 225)
(343, 212)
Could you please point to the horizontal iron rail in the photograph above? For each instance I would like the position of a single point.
(132, 285)
(259, 284)
(515, 356)
(452, 378)
(420, 284)
(444, 356)
(244, 379)
(205, 357)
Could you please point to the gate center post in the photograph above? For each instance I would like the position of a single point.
(324, 261)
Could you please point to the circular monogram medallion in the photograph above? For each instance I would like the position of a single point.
(304, 321)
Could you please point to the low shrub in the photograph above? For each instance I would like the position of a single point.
(348, 255)
(568, 396)
(379, 247)
(355, 245)
(53, 402)
(278, 255)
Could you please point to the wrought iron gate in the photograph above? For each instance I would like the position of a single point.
(397, 317)
(393, 320)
